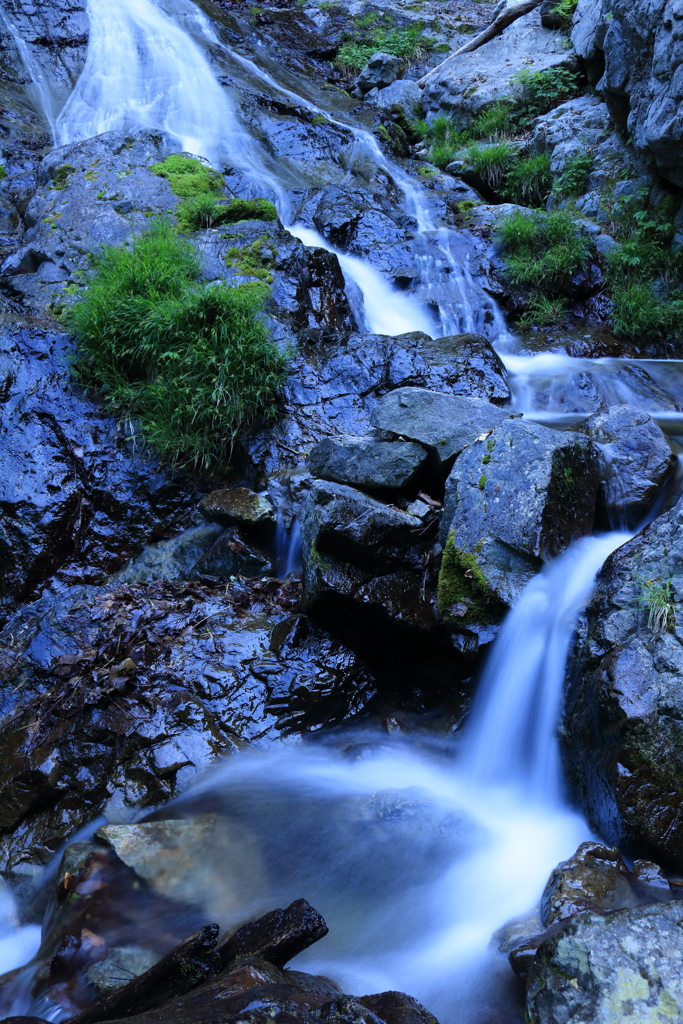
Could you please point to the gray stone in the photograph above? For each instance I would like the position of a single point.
(444, 424)
(367, 463)
(381, 70)
(637, 462)
(401, 97)
(517, 497)
(589, 27)
(466, 84)
(623, 746)
(603, 970)
(231, 556)
(208, 860)
(238, 506)
(122, 964)
(605, 244)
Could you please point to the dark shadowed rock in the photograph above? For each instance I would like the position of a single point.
(185, 967)
(444, 424)
(239, 506)
(381, 70)
(621, 734)
(594, 878)
(516, 497)
(231, 556)
(368, 463)
(278, 936)
(637, 462)
(347, 1010)
(398, 1008)
(603, 969)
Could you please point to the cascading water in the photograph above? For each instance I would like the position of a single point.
(415, 856)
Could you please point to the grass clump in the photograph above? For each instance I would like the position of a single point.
(564, 10)
(192, 363)
(491, 162)
(644, 275)
(658, 599)
(3, 172)
(188, 177)
(529, 181)
(374, 33)
(493, 124)
(463, 595)
(542, 250)
(572, 181)
(206, 211)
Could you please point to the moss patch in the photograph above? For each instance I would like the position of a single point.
(60, 179)
(188, 177)
(255, 260)
(463, 595)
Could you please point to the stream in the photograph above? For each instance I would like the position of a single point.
(470, 827)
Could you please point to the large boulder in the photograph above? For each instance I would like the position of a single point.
(642, 51)
(466, 84)
(637, 462)
(381, 70)
(621, 735)
(367, 462)
(516, 497)
(444, 424)
(337, 385)
(600, 970)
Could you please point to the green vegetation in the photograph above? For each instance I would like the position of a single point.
(491, 162)
(192, 363)
(564, 9)
(188, 177)
(543, 90)
(446, 141)
(542, 311)
(571, 182)
(463, 595)
(529, 180)
(3, 172)
(645, 275)
(373, 33)
(205, 211)
(658, 598)
(542, 250)
(60, 178)
(255, 260)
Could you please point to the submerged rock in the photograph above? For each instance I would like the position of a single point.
(637, 462)
(622, 744)
(368, 463)
(516, 497)
(627, 965)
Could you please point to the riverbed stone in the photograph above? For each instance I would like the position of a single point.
(601, 969)
(637, 461)
(622, 743)
(368, 463)
(238, 506)
(230, 556)
(593, 878)
(444, 424)
(516, 497)
(401, 97)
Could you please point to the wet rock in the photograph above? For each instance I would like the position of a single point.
(187, 860)
(231, 556)
(185, 967)
(347, 1010)
(444, 424)
(381, 70)
(131, 691)
(88, 497)
(122, 964)
(466, 84)
(172, 559)
(401, 97)
(278, 936)
(368, 463)
(622, 744)
(335, 386)
(637, 462)
(603, 969)
(239, 507)
(594, 878)
(398, 1008)
(516, 497)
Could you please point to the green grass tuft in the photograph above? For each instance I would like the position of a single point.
(206, 211)
(193, 364)
(542, 250)
(529, 180)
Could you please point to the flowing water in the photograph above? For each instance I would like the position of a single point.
(415, 852)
